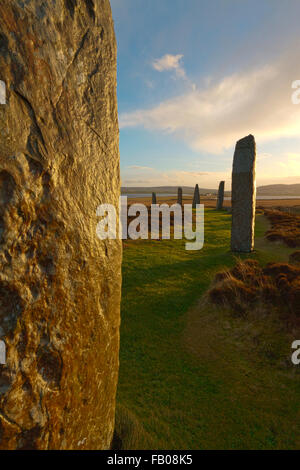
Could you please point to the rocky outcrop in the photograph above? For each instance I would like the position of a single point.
(243, 195)
(59, 284)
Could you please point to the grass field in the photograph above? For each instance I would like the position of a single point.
(192, 377)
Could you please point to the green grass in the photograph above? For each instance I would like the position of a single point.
(225, 395)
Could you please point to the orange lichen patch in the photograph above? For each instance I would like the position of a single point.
(284, 227)
(248, 285)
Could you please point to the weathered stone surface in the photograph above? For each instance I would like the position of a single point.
(179, 196)
(153, 198)
(243, 195)
(59, 284)
(196, 198)
(220, 198)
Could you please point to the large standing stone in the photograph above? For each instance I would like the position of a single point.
(196, 198)
(153, 198)
(59, 284)
(243, 195)
(220, 198)
(179, 196)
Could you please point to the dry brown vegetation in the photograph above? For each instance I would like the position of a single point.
(295, 258)
(285, 226)
(249, 287)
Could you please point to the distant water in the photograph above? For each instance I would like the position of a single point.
(144, 195)
(270, 197)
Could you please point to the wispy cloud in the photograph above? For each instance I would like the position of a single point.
(170, 62)
(212, 118)
(271, 170)
(263, 156)
(290, 164)
(143, 176)
(138, 167)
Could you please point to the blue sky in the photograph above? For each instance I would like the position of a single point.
(194, 76)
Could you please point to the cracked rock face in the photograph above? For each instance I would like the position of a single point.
(59, 284)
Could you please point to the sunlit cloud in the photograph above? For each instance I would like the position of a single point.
(138, 176)
(212, 118)
(279, 168)
(290, 164)
(139, 167)
(170, 62)
(271, 168)
(263, 156)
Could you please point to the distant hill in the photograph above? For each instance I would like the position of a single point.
(279, 190)
(164, 190)
(270, 190)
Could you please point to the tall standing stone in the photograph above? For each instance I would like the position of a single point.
(220, 198)
(59, 284)
(179, 196)
(243, 195)
(153, 198)
(196, 198)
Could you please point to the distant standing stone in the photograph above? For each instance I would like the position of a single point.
(179, 196)
(243, 195)
(153, 198)
(220, 199)
(196, 199)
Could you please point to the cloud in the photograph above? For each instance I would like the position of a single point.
(276, 172)
(170, 62)
(279, 167)
(212, 118)
(293, 155)
(290, 164)
(149, 84)
(263, 156)
(135, 182)
(138, 167)
(143, 176)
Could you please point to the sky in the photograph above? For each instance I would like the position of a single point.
(195, 76)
